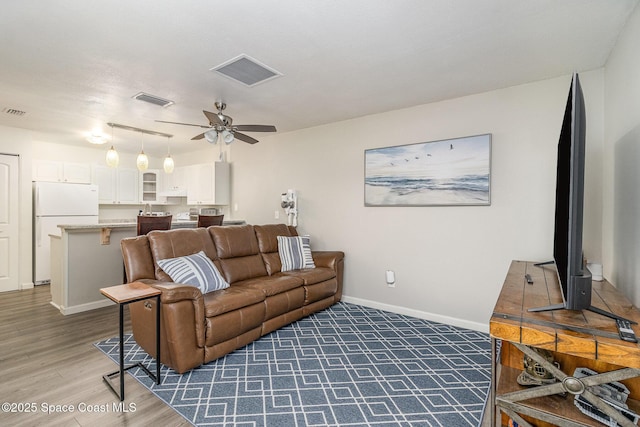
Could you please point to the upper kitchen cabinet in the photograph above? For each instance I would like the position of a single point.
(209, 184)
(54, 171)
(174, 184)
(116, 185)
(150, 186)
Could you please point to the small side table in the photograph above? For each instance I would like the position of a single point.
(123, 295)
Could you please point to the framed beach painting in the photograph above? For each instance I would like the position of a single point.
(451, 172)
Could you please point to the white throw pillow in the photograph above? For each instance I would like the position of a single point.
(295, 252)
(196, 270)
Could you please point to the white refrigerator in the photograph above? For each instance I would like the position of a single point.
(57, 203)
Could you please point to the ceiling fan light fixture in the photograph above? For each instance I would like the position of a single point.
(211, 136)
(227, 137)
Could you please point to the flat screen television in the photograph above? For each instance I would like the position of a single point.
(573, 275)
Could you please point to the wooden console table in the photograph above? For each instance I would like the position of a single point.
(574, 338)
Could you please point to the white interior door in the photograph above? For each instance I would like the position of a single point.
(9, 223)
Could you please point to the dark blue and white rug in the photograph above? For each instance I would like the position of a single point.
(348, 365)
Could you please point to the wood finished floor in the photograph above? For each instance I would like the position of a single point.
(49, 359)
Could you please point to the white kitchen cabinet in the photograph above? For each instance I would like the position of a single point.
(174, 184)
(55, 171)
(208, 184)
(116, 185)
(150, 186)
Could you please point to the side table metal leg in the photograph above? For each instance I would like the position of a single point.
(158, 339)
(121, 352)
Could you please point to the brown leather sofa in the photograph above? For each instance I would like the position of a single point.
(198, 328)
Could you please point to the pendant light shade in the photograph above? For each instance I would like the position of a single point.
(168, 161)
(112, 158)
(142, 162)
(168, 164)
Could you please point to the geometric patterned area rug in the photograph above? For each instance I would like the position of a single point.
(347, 365)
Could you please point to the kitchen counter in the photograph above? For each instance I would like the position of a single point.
(87, 257)
(133, 224)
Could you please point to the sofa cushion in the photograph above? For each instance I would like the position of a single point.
(267, 236)
(177, 243)
(235, 241)
(196, 270)
(311, 276)
(138, 261)
(272, 285)
(232, 298)
(238, 252)
(295, 252)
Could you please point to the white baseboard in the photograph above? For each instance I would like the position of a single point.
(480, 327)
(82, 307)
(25, 286)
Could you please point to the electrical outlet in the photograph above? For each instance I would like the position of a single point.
(390, 276)
(276, 215)
(235, 207)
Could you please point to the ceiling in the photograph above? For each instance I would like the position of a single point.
(74, 65)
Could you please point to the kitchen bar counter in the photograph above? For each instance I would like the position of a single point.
(133, 224)
(87, 257)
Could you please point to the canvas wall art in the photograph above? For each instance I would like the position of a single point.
(439, 173)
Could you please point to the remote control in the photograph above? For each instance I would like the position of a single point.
(625, 331)
(529, 279)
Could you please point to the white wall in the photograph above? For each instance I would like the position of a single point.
(621, 178)
(450, 262)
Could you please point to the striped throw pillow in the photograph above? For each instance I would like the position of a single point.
(195, 270)
(295, 252)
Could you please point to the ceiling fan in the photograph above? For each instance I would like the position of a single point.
(221, 124)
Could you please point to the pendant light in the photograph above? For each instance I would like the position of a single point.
(112, 155)
(142, 162)
(168, 161)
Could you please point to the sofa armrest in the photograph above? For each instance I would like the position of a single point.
(173, 292)
(183, 324)
(330, 259)
(335, 261)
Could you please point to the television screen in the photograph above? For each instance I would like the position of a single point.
(573, 276)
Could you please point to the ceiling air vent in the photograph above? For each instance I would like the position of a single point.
(152, 99)
(246, 70)
(14, 112)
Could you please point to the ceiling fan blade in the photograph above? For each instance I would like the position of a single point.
(213, 118)
(245, 138)
(200, 136)
(256, 128)
(185, 124)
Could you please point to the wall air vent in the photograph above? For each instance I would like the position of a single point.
(14, 112)
(152, 99)
(246, 70)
